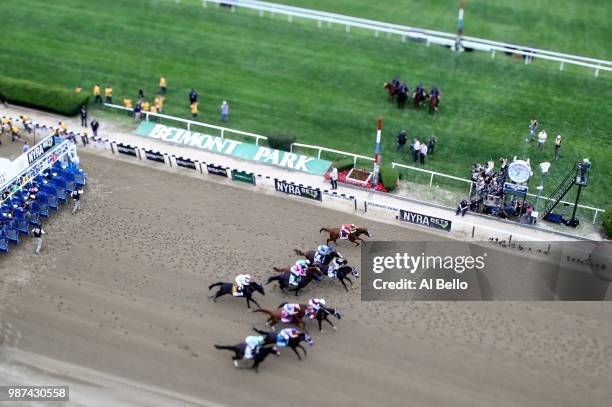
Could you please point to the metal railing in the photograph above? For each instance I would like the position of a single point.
(353, 156)
(429, 36)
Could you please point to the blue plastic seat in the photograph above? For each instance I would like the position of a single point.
(12, 235)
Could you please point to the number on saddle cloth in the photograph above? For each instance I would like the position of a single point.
(236, 292)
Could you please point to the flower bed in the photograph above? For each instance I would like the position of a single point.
(342, 178)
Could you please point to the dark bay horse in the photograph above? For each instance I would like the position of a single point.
(260, 356)
(334, 235)
(312, 273)
(247, 292)
(310, 255)
(418, 98)
(294, 343)
(433, 104)
(322, 315)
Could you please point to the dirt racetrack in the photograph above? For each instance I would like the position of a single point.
(120, 293)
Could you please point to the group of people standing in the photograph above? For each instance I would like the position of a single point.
(541, 137)
(419, 150)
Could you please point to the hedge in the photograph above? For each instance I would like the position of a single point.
(607, 222)
(281, 141)
(39, 96)
(345, 164)
(389, 177)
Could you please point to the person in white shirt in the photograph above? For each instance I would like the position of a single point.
(416, 149)
(542, 136)
(423, 153)
(38, 232)
(334, 177)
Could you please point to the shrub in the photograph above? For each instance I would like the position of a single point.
(389, 177)
(39, 96)
(281, 141)
(607, 222)
(345, 164)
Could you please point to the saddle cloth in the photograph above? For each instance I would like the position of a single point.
(235, 291)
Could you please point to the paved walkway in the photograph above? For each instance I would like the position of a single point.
(371, 204)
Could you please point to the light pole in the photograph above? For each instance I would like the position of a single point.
(544, 167)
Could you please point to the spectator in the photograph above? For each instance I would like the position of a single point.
(145, 106)
(224, 111)
(94, 127)
(84, 116)
(127, 103)
(432, 144)
(84, 138)
(96, 92)
(108, 94)
(14, 132)
(558, 147)
(334, 177)
(140, 94)
(401, 141)
(27, 123)
(70, 136)
(533, 126)
(194, 110)
(78, 89)
(162, 85)
(63, 127)
(542, 136)
(416, 149)
(137, 111)
(193, 96)
(76, 199)
(26, 147)
(463, 207)
(159, 103)
(38, 233)
(423, 153)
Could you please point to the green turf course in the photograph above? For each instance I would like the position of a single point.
(324, 86)
(579, 27)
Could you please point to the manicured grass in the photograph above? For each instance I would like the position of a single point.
(580, 27)
(322, 85)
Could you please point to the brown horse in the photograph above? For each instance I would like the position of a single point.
(418, 98)
(391, 90)
(433, 104)
(334, 235)
(275, 316)
(310, 255)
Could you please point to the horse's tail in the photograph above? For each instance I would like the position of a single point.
(278, 270)
(224, 347)
(324, 230)
(273, 278)
(215, 285)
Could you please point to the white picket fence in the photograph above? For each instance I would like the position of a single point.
(224, 131)
(418, 34)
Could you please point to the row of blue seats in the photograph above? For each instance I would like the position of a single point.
(28, 206)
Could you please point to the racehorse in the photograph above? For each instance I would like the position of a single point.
(334, 234)
(418, 98)
(402, 97)
(275, 316)
(433, 104)
(310, 255)
(247, 292)
(312, 273)
(294, 343)
(342, 273)
(322, 314)
(259, 357)
(391, 90)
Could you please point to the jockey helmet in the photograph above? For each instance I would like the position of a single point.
(294, 331)
(322, 249)
(303, 263)
(247, 278)
(330, 249)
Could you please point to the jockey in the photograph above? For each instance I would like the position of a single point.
(300, 267)
(283, 337)
(347, 229)
(289, 311)
(435, 92)
(252, 345)
(403, 88)
(322, 252)
(242, 280)
(396, 81)
(420, 90)
(314, 305)
(335, 265)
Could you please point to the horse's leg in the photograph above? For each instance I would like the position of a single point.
(255, 302)
(319, 320)
(343, 285)
(349, 280)
(248, 302)
(331, 323)
(303, 348)
(296, 352)
(217, 295)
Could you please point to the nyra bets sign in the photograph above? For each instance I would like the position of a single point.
(234, 148)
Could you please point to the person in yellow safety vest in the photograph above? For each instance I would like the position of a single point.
(159, 103)
(127, 103)
(194, 110)
(153, 109)
(78, 89)
(146, 106)
(27, 123)
(14, 132)
(96, 92)
(162, 85)
(63, 126)
(108, 94)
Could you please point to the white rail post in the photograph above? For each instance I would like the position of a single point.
(348, 28)
(204, 3)
(319, 23)
(319, 155)
(354, 161)
(291, 148)
(376, 33)
(329, 24)
(222, 130)
(403, 38)
(493, 54)
(597, 70)
(233, 8)
(595, 216)
(428, 41)
(561, 66)
(261, 13)
(290, 18)
(431, 180)
(188, 126)
(146, 116)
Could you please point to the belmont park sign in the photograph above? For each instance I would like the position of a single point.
(238, 149)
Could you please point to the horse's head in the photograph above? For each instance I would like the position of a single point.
(308, 339)
(314, 272)
(336, 313)
(257, 287)
(355, 272)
